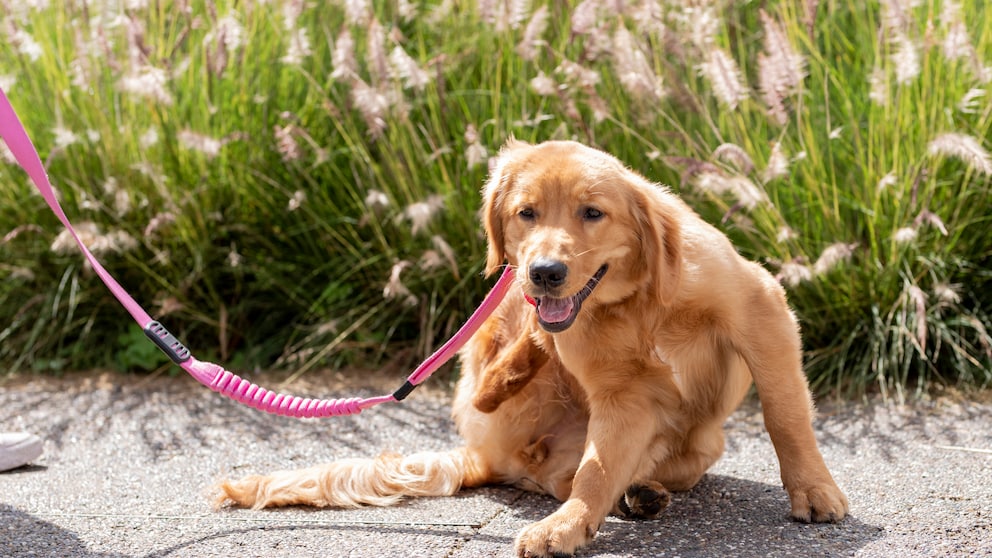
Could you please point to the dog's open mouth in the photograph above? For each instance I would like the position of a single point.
(557, 314)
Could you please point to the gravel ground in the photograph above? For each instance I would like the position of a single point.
(128, 462)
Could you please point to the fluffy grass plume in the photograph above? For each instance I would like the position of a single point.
(296, 184)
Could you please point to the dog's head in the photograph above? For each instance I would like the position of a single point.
(580, 228)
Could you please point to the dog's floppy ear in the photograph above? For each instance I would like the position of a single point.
(501, 179)
(661, 243)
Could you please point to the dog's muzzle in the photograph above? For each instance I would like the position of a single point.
(558, 314)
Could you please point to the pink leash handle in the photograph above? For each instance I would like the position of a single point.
(212, 375)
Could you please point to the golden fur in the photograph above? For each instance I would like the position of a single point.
(648, 332)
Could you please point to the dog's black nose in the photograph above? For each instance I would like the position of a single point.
(547, 273)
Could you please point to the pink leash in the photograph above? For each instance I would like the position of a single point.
(215, 376)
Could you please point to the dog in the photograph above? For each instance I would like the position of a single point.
(634, 329)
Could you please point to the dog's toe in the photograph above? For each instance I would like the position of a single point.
(821, 504)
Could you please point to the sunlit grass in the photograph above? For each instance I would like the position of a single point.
(300, 181)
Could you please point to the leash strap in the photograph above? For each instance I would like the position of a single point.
(213, 375)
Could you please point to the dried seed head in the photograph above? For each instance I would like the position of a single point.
(357, 12)
(778, 164)
(343, 57)
(964, 147)
(17, 231)
(649, 15)
(889, 179)
(221, 42)
(299, 47)
(793, 273)
(296, 200)
(122, 202)
(577, 74)
(969, 104)
(529, 46)
(286, 144)
(781, 69)
(234, 258)
(906, 58)
(117, 241)
(471, 134)
(918, 299)
(157, 222)
(747, 193)
(785, 234)
(373, 105)
(26, 45)
(957, 43)
(148, 138)
(210, 147)
(543, 85)
(406, 68)
(832, 256)
(147, 82)
(375, 53)
(475, 153)
(441, 255)
(725, 77)
(64, 137)
(376, 200)
(395, 289)
(633, 70)
(585, 17)
(927, 217)
(407, 10)
(420, 214)
(703, 24)
(904, 235)
(736, 156)
(64, 243)
(946, 293)
(516, 12)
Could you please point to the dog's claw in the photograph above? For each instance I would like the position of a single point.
(822, 504)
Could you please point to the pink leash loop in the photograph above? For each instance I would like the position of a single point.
(212, 375)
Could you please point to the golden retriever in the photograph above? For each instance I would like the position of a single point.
(604, 380)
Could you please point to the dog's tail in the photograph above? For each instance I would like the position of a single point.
(382, 481)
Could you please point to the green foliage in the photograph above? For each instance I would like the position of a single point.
(290, 184)
(135, 352)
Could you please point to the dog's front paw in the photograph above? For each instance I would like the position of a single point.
(559, 534)
(820, 503)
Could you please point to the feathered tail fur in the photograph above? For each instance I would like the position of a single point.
(349, 483)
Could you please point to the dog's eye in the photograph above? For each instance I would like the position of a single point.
(592, 214)
(527, 214)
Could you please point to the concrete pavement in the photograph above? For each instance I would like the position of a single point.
(128, 460)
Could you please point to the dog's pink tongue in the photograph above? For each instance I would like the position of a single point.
(554, 310)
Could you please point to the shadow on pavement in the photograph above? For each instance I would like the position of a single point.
(185, 548)
(721, 516)
(22, 534)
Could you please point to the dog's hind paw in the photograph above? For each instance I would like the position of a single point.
(643, 501)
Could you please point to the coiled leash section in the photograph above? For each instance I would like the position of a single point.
(213, 375)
